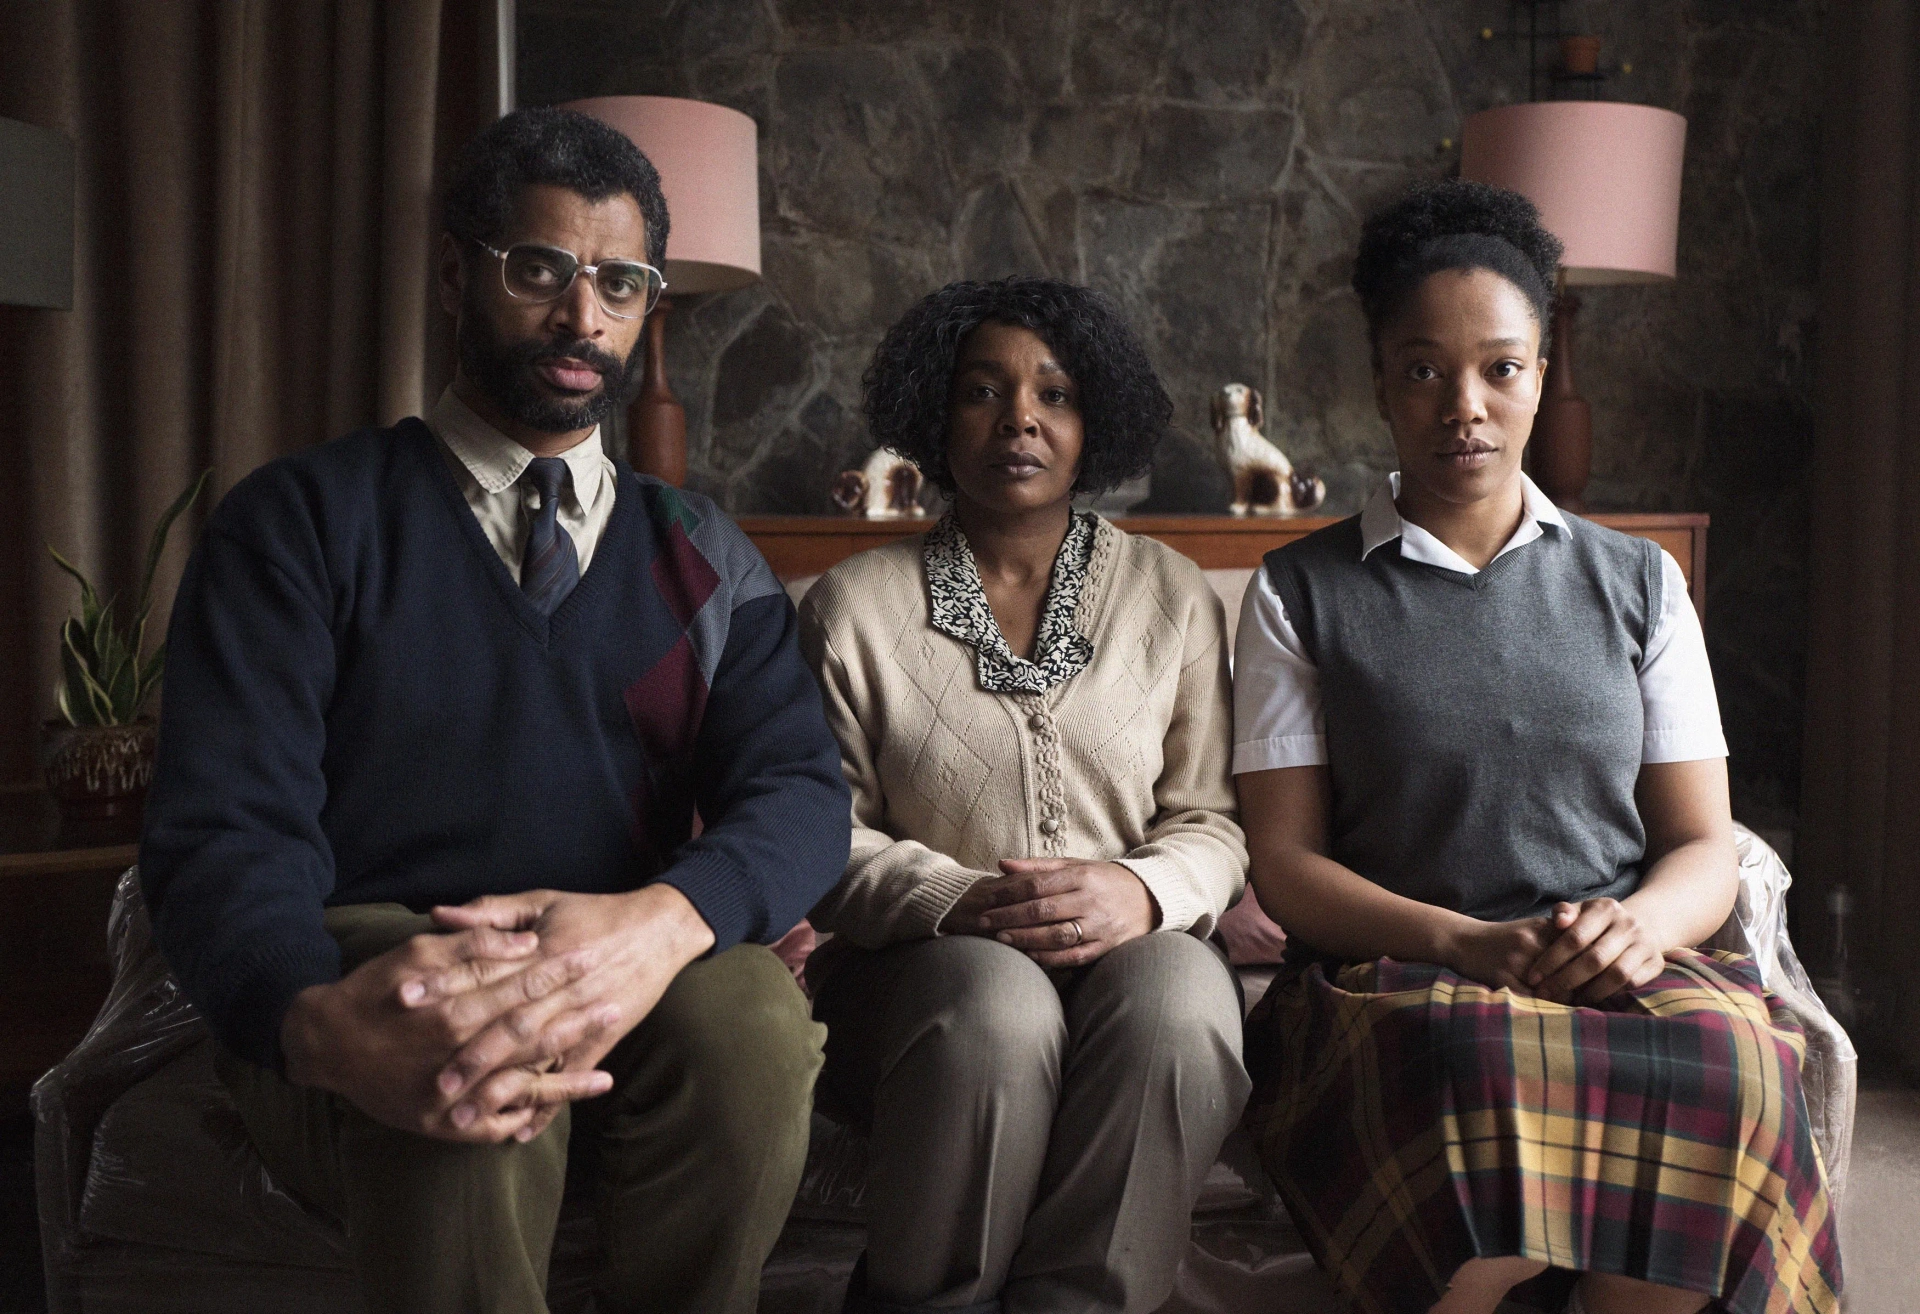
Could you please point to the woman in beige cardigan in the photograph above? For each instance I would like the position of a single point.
(1035, 717)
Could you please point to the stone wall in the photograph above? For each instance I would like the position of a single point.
(1208, 163)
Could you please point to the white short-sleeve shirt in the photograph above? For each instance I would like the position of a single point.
(1277, 719)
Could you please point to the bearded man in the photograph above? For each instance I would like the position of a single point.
(443, 700)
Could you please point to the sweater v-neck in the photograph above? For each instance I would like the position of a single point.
(612, 547)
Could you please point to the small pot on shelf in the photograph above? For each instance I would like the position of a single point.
(99, 772)
(1580, 55)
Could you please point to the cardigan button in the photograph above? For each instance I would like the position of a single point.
(1036, 722)
(1050, 825)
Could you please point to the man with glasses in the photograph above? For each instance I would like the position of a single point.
(443, 702)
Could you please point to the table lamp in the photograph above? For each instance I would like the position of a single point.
(708, 158)
(36, 217)
(1606, 177)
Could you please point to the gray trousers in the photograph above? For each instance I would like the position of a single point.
(1038, 1138)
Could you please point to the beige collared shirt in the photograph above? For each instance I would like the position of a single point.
(488, 465)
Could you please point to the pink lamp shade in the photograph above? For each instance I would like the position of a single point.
(708, 160)
(1606, 177)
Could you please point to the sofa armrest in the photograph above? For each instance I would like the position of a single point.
(1757, 928)
(145, 1023)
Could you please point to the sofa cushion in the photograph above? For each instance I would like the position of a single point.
(171, 1166)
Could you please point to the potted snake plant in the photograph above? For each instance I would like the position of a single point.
(97, 755)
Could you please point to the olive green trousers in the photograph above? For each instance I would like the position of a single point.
(697, 1152)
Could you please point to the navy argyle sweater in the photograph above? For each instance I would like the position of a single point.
(362, 706)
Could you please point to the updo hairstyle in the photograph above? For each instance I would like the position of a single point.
(1454, 224)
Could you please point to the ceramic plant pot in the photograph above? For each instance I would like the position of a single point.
(98, 771)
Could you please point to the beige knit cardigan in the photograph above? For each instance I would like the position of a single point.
(1127, 761)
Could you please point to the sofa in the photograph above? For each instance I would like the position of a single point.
(151, 1198)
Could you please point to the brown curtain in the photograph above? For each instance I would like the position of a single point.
(254, 236)
(1861, 802)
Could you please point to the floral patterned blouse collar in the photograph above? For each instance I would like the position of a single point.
(960, 609)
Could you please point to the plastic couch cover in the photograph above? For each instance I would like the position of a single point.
(151, 1198)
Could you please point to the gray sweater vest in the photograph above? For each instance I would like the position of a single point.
(1483, 731)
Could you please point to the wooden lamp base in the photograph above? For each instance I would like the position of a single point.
(1562, 443)
(656, 421)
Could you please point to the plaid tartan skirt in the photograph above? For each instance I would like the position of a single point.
(1413, 1120)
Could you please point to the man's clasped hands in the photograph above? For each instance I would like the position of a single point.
(483, 1032)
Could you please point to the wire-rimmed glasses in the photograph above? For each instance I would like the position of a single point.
(626, 289)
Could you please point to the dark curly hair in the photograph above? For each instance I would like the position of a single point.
(1454, 224)
(555, 146)
(1124, 410)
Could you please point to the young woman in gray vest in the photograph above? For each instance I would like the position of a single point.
(1485, 792)
(1035, 717)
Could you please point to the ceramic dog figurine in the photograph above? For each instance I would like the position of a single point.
(1264, 480)
(887, 486)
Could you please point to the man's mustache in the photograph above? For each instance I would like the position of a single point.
(578, 350)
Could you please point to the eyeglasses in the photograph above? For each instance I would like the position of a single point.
(626, 289)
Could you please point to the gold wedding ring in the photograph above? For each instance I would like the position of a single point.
(1078, 934)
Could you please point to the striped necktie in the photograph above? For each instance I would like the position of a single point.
(550, 567)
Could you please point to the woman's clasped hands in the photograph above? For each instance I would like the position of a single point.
(1060, 912)
(1579, 953)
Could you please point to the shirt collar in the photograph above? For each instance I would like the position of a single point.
(1380, 523)
(959, 608)
(496, 462)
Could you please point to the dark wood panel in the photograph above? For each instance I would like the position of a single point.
(54, 968)
(56, 888)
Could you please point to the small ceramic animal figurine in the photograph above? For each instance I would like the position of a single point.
(887, 487)
(1264, 480)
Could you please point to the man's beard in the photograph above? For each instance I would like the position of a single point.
(505, 372)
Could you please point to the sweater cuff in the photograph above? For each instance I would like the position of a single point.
(719, 893)
(247, 1015)
(932, 898)
(1182, 906)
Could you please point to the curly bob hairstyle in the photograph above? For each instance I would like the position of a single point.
(1454, 224)
(1124, 410)
(555, 146)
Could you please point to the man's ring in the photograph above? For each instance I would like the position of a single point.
(1078, 934)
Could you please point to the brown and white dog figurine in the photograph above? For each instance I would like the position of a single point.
(886, 488)
(1264, 480)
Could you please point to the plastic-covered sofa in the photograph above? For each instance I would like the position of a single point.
(152, 1199)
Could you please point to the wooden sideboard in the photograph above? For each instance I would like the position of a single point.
(806, 545)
